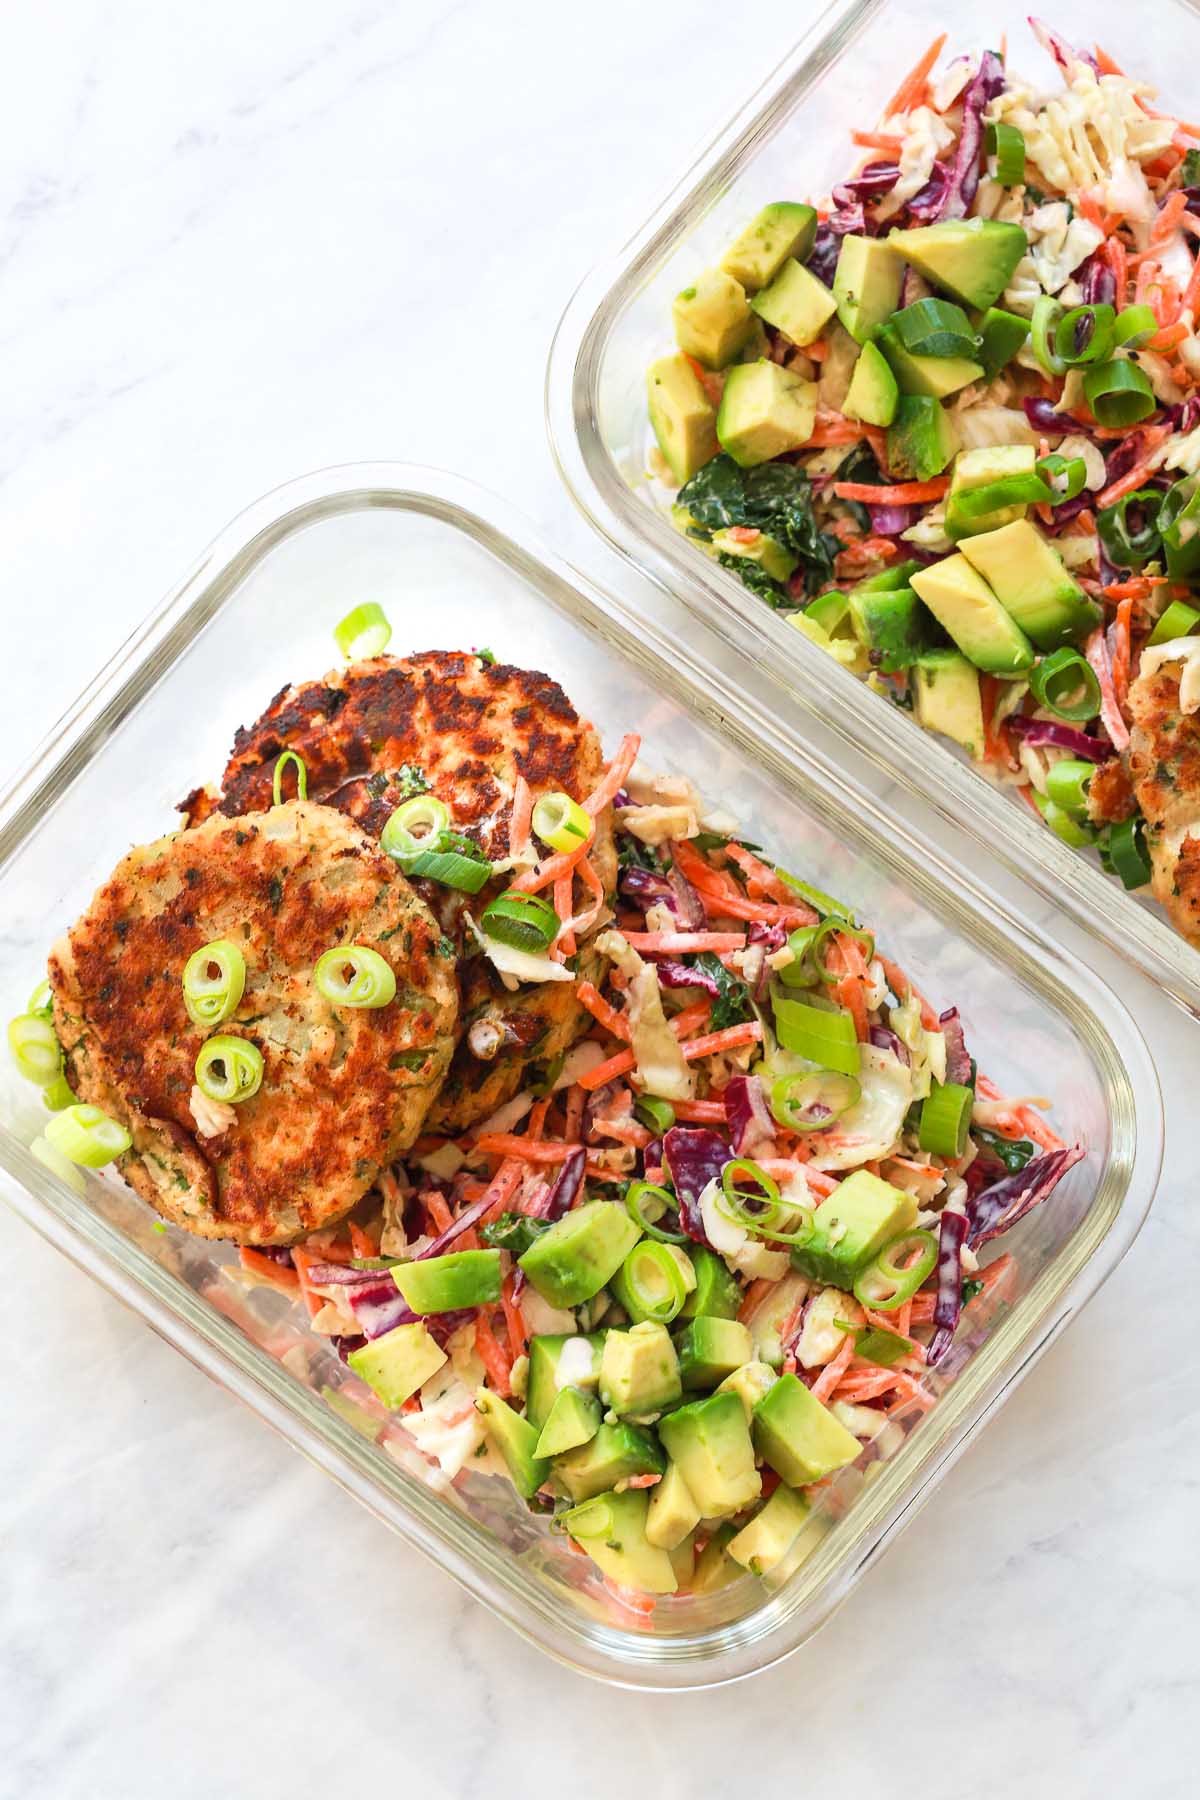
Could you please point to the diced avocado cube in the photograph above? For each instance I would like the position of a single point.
(614, 1454)
(894, 577)
(396, 1364)
(674, 1513)
(450, 1283)
(1028, 578)
(756, 346)
(683, 1560)
(947, 698)
(892, 624)
(639, 1371)
(1003, 334)
(771, 1315)
(773, 557)
(849, 1227)
(780, 230)
(873, 393)
(714, 1569)
(556, 1363)
(612, 1530)
(979, 468)
(712, 318)
(762, 1544)
(971, 259)
(717, 1293)
(921, 439)
(866, 285)
(749, 1383)
(765, 410)
(516, 1439)
(963, 603)
(798, 1437)
(682, 416)
(574, 1419)
(710, 1349)
(710, 1441)
(690, 527)
(580, 1253)
(934, 376)
(796, 303)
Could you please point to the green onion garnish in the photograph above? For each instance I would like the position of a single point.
(351, 975)
(1118, 393)
(800, 971)
(413, 829)
(35, 1049)
(824, 932)
(561, 822)
(1123, 851)
(87, 1136)
(646, 1204)
(1085, 334)
(1179, 620)
(214, 980)
(823, 1036)
(1179, 522)
(1046, 314)
(825, 904)
(58, 1094)
(229, 1069)
(935, 328)
(653, 1283)
(760, 1209)
(1065, 476)
(1065, 683)
(945, 1119)
(814, 1101)
(894, 1276)
(1135, 326)
(523, 921)
(42, 1000)
(1067, 785)
(1070, 831)
(363, 632)
(875, 1344)
(289, 756)
(1054, 479)
(656, 1115)
(1132, 542)
(455, 863)
(57, 1163)
(1004, 145)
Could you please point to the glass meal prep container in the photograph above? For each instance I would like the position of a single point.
(791, 141)
(257, 611)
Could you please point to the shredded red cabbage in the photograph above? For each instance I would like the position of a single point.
(958, 1060)
(827, 244)
(689, 908)
(379, 1308)
(455, 1229)
(1097, 283)
(1059, 48)
(568, 1185)
(926, 205)
(323, 1275)
(1186, 416)
(1063, 737)
(890, 521)
(345, 1345)
(750, 1121)
(883, 1039)
(674, 974)
(876, 179)
(693, 1159)
(1042, 417)
(964, 176)
(997, 1208)
(772, 937)
(952, 1235)
(645, 888)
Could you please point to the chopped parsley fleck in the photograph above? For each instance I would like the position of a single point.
(275, 893)
(411, 779)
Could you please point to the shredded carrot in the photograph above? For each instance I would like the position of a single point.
(761, 879)
(520, 817)
(912, 88)
(1147, 270)
(518, 1337)
(504, 1184)
(1191, 293)
(1105, 63)
(435, 1205)
(602, 1011)
(537, 1121)
(700, 1112)
(1152, 438)
(491, 1355)
(1169, 336)
(832, 1373)
(614, 776)
(817, 351)
(732, 1038)
(277, 1274)
(905, 493)
(564, 943)
(878, 140)
(849, 994)
(1115, 253)
(303, 1262)
(643, 1481)
(680, 942)
(900, 984)
(506, 1143)
(1170, 213)
(754, 1296)
(1138, 587)
(335, 1252)
(364, 1243)
(531, 881)
(690, 1019)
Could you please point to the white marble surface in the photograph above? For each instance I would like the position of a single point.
(238, 242)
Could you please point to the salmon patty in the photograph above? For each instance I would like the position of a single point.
(449, 723)
(344, 1090)
(1164, 766)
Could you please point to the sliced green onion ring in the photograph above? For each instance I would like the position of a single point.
(58, 1094)
(281, 763)
(87, 1136)
(1118, 393)
(1071, 831)
(523, 921)
(1132, 542)
(229, 1069)
(452, 865)
(354, 976)
(813, 1101)
(823, 1035)
(363, 632)
(53, 1159)
(1178, 620)
(1067, 785)
(1179, 522)
(561, 822)
(1004, 146)
(655, 1282)
(761, 1209)
(42, 1000)
(413, 829)
(1046, 314)
(35, 1048)
(800, 971)
(1084, 335)
(214, 980)
(646, 1204)
(935, 328)
(823, 903)
(946, 1119)
(1053, 480)
(832, 928)
(1135, 326)
(894, 1276)
(1065, 476)
(1065, 683)
(1123, 849)
(656, 1115)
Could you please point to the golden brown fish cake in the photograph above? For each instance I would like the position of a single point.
(1164, 765)
(1110, 795)
(344, 1090)
(383, 727)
